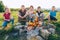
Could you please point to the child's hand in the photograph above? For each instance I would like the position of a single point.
(22, 17)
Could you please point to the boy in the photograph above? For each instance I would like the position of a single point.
(39, 13)
(52, 15)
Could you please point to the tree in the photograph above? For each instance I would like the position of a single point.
(1, 6)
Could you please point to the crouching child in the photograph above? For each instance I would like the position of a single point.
(7, 18)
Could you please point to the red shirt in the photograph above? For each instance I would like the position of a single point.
(6, 16)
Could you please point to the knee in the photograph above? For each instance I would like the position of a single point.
(12, 20)
(4, 24)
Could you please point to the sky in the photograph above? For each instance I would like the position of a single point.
(43, 3)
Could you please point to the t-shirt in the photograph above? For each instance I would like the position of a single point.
(53, 13)
(40, 14)
(31, 14)
(22, 13)
(7, 16)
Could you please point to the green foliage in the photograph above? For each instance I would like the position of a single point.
(14, 9)
(53, 37)
(1, 6)
(46, 10)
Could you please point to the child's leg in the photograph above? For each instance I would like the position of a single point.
(12, 21)
(31, 19)
(5, 24)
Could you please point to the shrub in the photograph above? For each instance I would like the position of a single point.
(53, 37)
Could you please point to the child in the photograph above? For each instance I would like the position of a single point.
(52, 15)
(40, 14)
(7, 18)
(31, 13)
(22, 15)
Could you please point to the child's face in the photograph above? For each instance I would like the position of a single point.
(53, 8)
(23, 8)
(7, 10)
(31, 8)
(39, 9)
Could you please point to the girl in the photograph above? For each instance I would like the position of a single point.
(7, 18)
(31, 13)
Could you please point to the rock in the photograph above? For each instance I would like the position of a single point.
(52, 30)
(0, 28)
(23, 35)
(19, 26)
(14, 33)
(45, 33)
(39, 38)
(18, 23)
(51, 26)
(35, 38)
(6, 37)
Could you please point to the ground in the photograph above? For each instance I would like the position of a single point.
(14, 13)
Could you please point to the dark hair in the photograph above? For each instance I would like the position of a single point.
(22, 6)
(31, 6)
(38, 7)
(53, 6)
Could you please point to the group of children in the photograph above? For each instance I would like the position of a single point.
(35, 20)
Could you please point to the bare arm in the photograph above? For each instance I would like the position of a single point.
(19, 15)
(49, 17)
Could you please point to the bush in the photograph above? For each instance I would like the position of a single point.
(1, 6)
(12, 9)
(53, 37)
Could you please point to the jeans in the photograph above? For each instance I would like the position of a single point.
(51, 18)
(6, 22)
